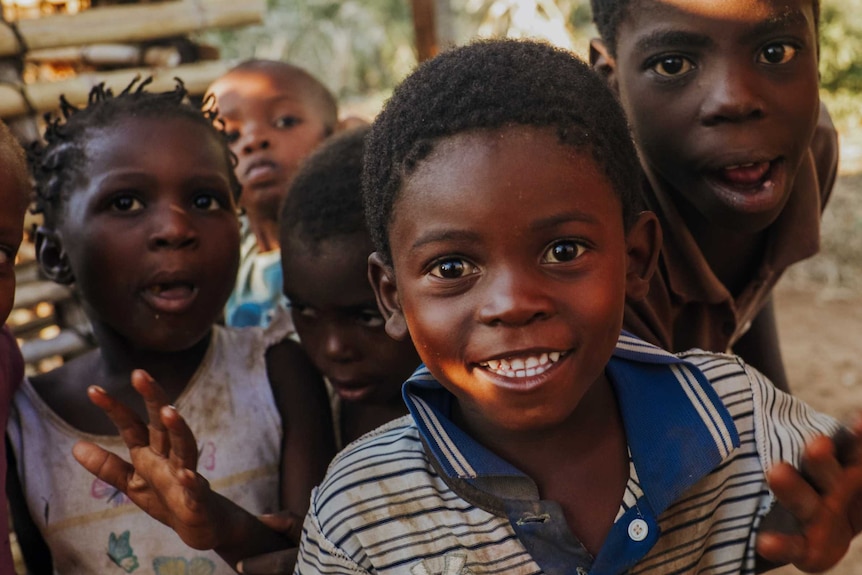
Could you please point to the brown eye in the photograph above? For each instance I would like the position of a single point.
(452, 268)
(562, 252)
(672, 66)
(207, 202)
(777, 54)
(126, 204)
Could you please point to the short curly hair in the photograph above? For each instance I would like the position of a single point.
(59, 163)
(325, 198)
(609, 14)
(487, 85)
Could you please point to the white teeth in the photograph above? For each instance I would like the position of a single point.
(523, 366)
(746, 165)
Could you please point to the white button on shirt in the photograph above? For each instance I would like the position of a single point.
(638, 530)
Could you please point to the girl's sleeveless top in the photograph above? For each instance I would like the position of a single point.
(91, 528)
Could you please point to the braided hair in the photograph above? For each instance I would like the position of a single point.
(58, 164)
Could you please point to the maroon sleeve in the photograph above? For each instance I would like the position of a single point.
(11, 368)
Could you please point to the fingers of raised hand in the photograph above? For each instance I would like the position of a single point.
(183, 446)
(128, 424)
(154, 399)
(794, 492)
(820, 465)
(103, 464)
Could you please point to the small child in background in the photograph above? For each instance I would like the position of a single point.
(275, 114)
(324, 250)
(500, 187)
(138, 197)
(738, 155)
(14, 198)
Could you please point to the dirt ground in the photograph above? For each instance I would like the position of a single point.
(821, 341)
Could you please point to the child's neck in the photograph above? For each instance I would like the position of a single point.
(265, 231)
(172, 370)
(110, 366)
(357, 419)
(589, 482)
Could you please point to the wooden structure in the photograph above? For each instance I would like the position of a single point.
(44, 57)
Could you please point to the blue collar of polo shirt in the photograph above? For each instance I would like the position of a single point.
(677, 427)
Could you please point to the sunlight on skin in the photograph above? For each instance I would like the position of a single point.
(721, 9)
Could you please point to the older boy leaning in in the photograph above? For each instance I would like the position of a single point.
(738, 159)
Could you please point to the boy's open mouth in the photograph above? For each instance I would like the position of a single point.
(754, 176)
(170, 297)
(523, 366)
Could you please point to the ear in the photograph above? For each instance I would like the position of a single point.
(52, 256)
(643, 244)
(603, 63)
(382, 278)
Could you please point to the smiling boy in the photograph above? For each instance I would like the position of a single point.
(509, 236)
(738, 156)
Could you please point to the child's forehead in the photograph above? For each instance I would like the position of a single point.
(728, 10)
(465, 166)
(247, 88)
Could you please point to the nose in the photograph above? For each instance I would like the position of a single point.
(732, 96)
(336, 347)
(254, 137)
(513, 298)
(173, 229)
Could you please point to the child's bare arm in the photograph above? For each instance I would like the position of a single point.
(825, 499)
(35, 551)
(308, 444)
(759, 347)
(161, 478)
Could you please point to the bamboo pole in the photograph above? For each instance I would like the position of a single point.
(425, 29)
(129, 23)
(45, 96)
(108, 55)
(67, 342)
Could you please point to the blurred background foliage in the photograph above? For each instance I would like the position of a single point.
(361, 49)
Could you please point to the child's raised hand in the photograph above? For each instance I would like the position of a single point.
(825, 499)
(161, 478)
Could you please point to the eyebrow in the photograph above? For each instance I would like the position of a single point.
(541, 224)
(435, 236)
(563, 218)
(778, 23)
(672, 38)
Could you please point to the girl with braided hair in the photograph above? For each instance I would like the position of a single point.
(139, 195)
